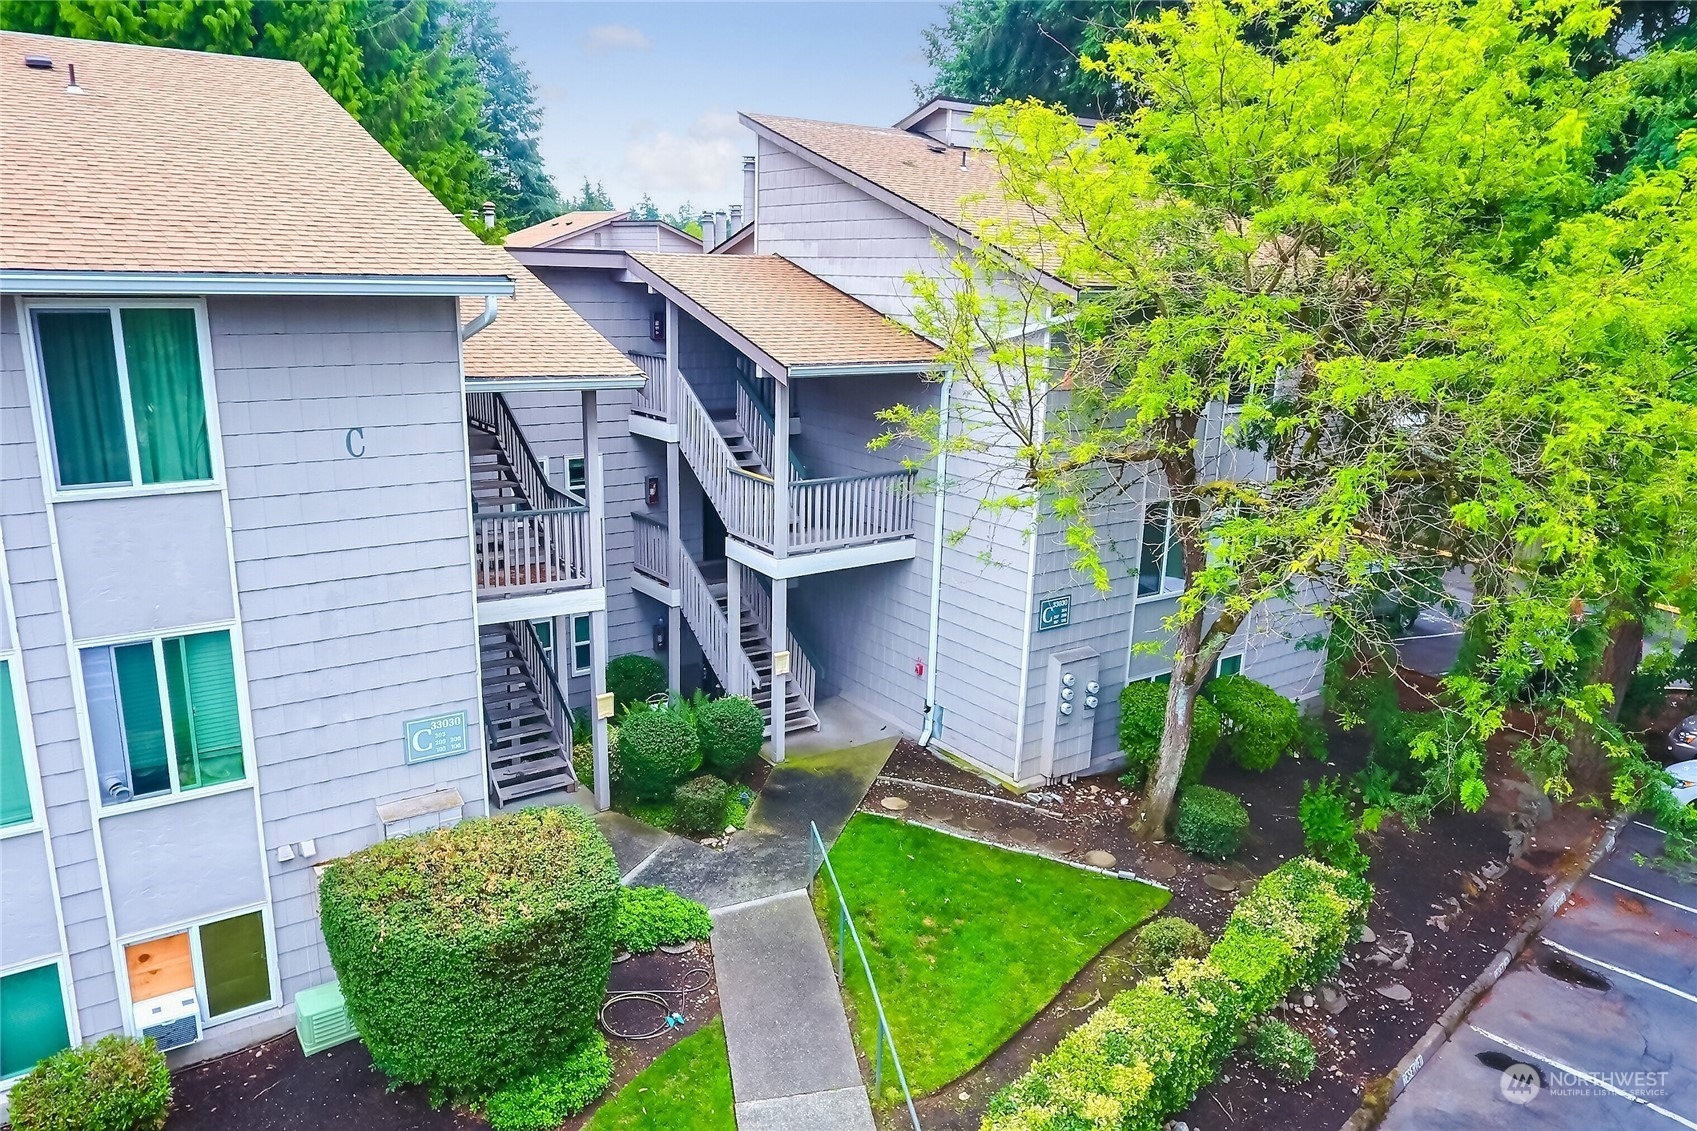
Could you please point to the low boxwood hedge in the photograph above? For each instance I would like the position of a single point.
(699, 805)
(115, 1084)
(1258, 723)
(654, 917)
(475, 955)
(658, 748)
(1143, 719)
(732, 731)
(1287, 1052)
(1211, 822)
(634, 678)
(1151, 1049)
(547, 1098)
(1166, 940)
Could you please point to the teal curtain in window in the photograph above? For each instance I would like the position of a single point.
(144, 721)
(163, 356)
(14, 786)
(32, 1019)
(80, 367)
(201, 678)
(232, 952)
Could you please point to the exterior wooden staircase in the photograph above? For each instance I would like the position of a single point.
(755, 637)
(528, 727)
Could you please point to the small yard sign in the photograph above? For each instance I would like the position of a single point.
(436, 737)
(1054, 612)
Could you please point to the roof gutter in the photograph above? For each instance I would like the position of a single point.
(20, 281)
(877, 369)
(481, 322)
(550, 384)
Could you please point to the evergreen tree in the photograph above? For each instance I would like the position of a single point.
(523, 192)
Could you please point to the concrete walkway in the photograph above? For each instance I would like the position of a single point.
(793, 1064)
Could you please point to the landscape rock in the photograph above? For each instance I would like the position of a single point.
(894, 804)
(1096, 858)
(1219, 882)
(1367, 935)
(1495, 870)
(1396, 991)
(1333, 1000)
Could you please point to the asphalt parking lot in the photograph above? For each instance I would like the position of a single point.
(1593, 1028)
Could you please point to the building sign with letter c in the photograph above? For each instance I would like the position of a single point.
(438, 737)
(1054, 612)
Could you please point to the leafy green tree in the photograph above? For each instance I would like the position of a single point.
(992, 50)
(1311, 220)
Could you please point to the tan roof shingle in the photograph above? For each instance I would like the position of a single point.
(568, 224)
(535, 334)
(797, 318)
(186, 161)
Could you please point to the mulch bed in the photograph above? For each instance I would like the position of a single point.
(273, 1087)
(1415, 873)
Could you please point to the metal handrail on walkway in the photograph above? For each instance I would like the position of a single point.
(818, 858)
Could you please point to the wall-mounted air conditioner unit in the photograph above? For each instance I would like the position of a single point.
(172, 1020)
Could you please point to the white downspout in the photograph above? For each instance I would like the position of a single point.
(930, 728)
(481, 321)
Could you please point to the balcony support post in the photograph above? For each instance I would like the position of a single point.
(733, 623)
(674, 562)
(672, 375)
(780, 643)
(595, 488)
(780, 469)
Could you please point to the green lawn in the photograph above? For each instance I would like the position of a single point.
(687, 1089)
(966, 942)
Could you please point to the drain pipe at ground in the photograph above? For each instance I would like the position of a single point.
(930, 730)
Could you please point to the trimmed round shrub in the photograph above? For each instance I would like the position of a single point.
(732, 731)
(1143, 718)
(1165, 941)
(1211, 822)
(115, 1084)
(658, 748)
(473, 956)
(700, 805)
(634, 678)
(1285, 1051)
(547, 1098)
(654, 917)
(1259, 724)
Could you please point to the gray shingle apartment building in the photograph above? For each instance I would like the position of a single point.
(319, 518)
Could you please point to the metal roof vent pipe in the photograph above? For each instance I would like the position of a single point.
(736, 218)
(719, 221)
(707, 241)
(489, 215)
(72, 87)
(748, 188)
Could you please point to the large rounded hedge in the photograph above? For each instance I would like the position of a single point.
(634, 678)
(115, 1084)
(1259, 724)
(475, 955)
(658, 748)
(1143, 718)
(732, 731)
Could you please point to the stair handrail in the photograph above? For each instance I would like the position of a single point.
(743, 499)
(720, 643)
(491, 412)
(553, 700)
(758, 602)
(754, 416)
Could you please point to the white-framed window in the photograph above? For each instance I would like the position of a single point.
(17, 797)
(225, 961)
(124, 394)
(544, 630)
(164, 715)
(34, 1023)
(580, 644)
(577, 475)
(1160, 561)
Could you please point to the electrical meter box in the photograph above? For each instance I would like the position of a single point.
(1073, 697)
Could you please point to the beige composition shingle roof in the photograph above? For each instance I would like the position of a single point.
(798, 319)
(907, 165)
(537, 335)
(184, 161)
(569, 224)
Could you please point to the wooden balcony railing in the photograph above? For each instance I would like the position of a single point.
(653, 548)
(531, 551)
(652, 399)
(851, 510)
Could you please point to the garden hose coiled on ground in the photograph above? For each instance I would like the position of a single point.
(695, 978)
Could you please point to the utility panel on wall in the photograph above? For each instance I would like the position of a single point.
(1073, 696)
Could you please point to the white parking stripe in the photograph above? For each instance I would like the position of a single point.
(1647, 895)
(1633, 974)
(1585, 1076)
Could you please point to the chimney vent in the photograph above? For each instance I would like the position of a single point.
(489, 214)
(736, 218)
(719, 232)
(706, 222)
(72, 87)
(38, 62)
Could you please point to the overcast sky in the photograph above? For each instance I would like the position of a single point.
(644, 96)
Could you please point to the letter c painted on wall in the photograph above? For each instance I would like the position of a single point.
(356, 436)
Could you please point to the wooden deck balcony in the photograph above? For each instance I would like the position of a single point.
(523, 552)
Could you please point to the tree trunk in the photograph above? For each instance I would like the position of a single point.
(1182, 693)
(1620, 660)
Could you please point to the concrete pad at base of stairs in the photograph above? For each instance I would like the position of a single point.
(845, 1109)
(632, 841)
(785, 1028)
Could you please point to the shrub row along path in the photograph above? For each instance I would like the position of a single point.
(793, 1064)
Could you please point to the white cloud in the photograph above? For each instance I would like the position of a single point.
(605, 38)
(704, 162)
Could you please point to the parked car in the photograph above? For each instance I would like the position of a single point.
(1682, 739)
(1685, 781)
